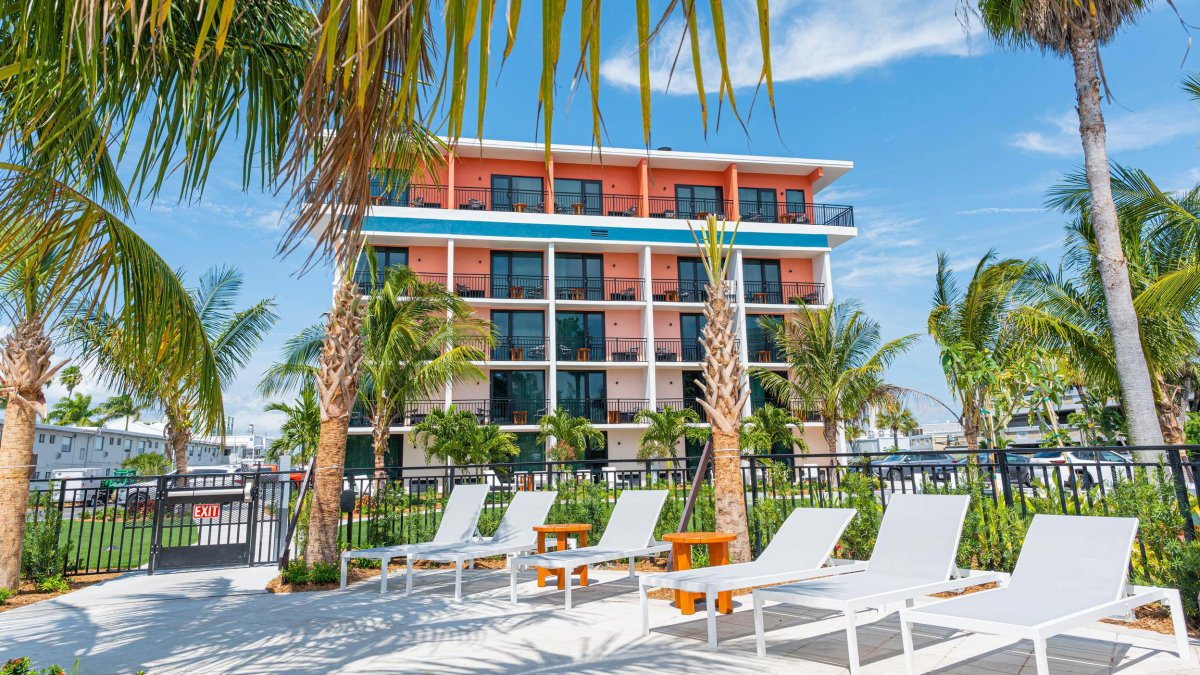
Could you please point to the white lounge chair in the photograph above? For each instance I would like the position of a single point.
(629, 534)
(514, 535)
(459, 521)
(799, 550)
(914, 556)
(1073, 570)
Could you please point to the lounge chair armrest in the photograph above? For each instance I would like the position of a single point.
(846, 561)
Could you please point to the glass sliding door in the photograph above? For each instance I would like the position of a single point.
(762, 281)
(691, 328)
(517, 274)
(757, 205)
(579, 276)
(693, 280)
(760, 342)
(520, 336)
(518, 396)
(583, 394)
(796, 206)
(385, 257)
(518, 193)
(578, 197)
(580, 336)
(692, 200)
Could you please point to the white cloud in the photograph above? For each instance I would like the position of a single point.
(813, 40)
(1000, 210)
(1126, 131)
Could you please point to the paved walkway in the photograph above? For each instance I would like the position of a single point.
(222, 621)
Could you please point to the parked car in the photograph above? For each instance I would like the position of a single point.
(903, 466)
(1084, 466)
(138, 495)
(1019, 471)
(78, 486)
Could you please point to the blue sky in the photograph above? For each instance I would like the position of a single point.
(955, 143)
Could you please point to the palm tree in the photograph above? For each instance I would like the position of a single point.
(1079, 29)
(898, 418)
(723, 388)
(666, 429)
(300, 429)
(836, 362)
(120, 406)
(75, 411)
(418, 337)
(454, 435)
(231, 334)
(769, 427)
(147, 464)
(70, 377)
(570, 435)
(973, 330)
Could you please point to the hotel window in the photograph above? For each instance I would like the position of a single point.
(517, 274)
(578, 197)
(518, 193)
(385, 257)
(51, 439)
(66, 444)
(757, 205)
(518, 396)
(520, 336)
(580, 336)
(41, 438)
(691, 200)
(762, 281)
(128, 445)
(579, 276)
(583, 393)
(693, 280)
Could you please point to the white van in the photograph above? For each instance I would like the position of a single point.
(77, 485)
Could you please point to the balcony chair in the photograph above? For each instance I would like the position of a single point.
(1072, 571)
(799, 550)
(628, 535)
(473, 205)
(627, 295)
(913, 556)
(459, 520)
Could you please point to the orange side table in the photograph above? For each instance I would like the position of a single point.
(561, 533)
(718, 554)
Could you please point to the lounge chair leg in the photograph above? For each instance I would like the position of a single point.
(383, 575)
(852, 640)
(632, 574)
(458, 570)
(344, 574)
(710, 606)
(567, 587)
(408, 576)
(512, 587)
(910, 661)
(1039, 654)
(645, 600)
(760, 633)
(1181, 636)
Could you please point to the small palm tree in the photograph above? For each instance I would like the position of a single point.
(667, 429)
(147, 464)
(570, 434)
(300, 429)
(1079, 29)
(836, 362)
(121, 406)
(70, 377)
(76, 411)
(770, 427)
(898, 418)
(454, 435)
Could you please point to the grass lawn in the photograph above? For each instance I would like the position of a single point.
(94, 545)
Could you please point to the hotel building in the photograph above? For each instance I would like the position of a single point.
(588, 270)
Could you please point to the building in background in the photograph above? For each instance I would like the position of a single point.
(588, 270)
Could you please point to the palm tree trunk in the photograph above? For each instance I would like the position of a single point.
(971, 433)
(729, 494)
(896, 437)
(830, 431)
(337, 387)
(1169, 412)
(1132, 371)
(380, 433)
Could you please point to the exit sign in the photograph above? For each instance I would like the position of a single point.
(206, 511)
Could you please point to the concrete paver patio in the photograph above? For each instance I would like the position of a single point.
(222, 621)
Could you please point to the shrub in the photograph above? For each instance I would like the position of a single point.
(5, 594)
(1183, 562)
(296, 573)
(22, 666)
(53, 584)
(857, 491)
(489, 521)
(324, 573)
(42, 555)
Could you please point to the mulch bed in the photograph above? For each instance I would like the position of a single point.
(28, 594)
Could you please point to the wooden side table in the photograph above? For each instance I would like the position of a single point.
(718, 554)
(561, 533)
(520, 417)
(672, 295)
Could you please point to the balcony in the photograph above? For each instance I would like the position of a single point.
(608, 288)
(765, 351)
(414, 413)
(365, 284)
(680, 404)
(605, 411)
(507, 286)
(518, 348)
(673, 350)
(601, 350)
(413, 196)
(671, 290)
(669, 207)
(785, 293)
(517, 412)
(797, 213)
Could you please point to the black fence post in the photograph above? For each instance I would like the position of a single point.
(1181, 494)
(753, 501)
(1002, 466)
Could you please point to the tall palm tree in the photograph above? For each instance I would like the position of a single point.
(300, 429)
(723, 388)
(1078, 30)
(836, 362)
(571, 435)
(75, 410)
(232, 336)
(769, 427)
(666, 429)
(70, 377)
(973, 330)
(898, 418)
(121, 406)
(418, 337)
